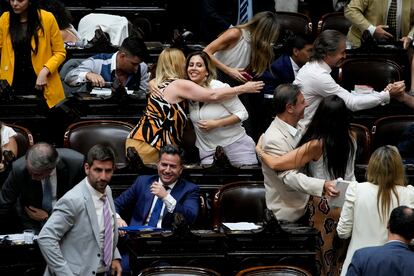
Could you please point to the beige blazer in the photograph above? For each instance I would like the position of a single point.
(287, 193)
(363, 13)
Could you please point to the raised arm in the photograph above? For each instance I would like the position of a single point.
(225, 41)
(294, 159)
(185, 89)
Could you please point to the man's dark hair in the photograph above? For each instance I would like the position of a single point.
(327, 42)
(135, 46)
(171, 149)
(100, 152)
(402, 222)
(297, 41)
(42, 156)
(284, 94)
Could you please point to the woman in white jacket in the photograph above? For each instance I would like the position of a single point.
(368, 205)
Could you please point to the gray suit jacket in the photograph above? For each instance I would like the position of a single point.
(69, 240)
(287, 192)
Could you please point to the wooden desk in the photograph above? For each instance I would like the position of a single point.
(16, 260)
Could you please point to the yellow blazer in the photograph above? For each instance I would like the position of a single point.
(363, 13)
(51, 54)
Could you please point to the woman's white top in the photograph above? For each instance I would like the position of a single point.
(6, 133)
(222, 136)
(239, 55)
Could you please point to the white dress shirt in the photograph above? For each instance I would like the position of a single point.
(316, 83)
(99, 204)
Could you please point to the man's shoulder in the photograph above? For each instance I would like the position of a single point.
(188, 184)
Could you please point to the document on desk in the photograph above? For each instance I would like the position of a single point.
(341, 186)
(101, 91)
(241, 226)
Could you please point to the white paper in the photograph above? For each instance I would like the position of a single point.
(101, 91)
(241, 225)
(341, 186)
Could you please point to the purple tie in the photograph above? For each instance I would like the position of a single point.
(108, 233)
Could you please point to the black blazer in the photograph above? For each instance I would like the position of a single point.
(218, 15)
(20, 188)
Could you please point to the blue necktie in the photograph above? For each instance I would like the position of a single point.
(243, 12)
(47, 195)
(156, 212)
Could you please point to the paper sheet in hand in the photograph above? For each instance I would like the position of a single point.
(241, 225)
(341, 186)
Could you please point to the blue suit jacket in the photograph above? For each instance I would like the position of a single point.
(138, 199)
(282, 73)
(393, 258)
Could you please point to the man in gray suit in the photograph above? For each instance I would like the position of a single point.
(287, 192)
(81, 235)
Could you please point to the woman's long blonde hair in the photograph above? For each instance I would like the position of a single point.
(170, 65)
(386, 169)
(264, 30)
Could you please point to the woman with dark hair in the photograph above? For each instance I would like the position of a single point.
(327, 151)
(31, 51)
(63, 18)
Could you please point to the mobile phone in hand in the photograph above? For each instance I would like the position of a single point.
(246, 75)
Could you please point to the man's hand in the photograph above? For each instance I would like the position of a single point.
(396, 89)
(36, 213)
(121, 223)
(116, 268)
(329, 189)
(96, 79)
(406, 41)
(380, 33)
(158, 190)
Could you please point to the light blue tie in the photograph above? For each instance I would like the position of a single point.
(47, 195)
(243, 12)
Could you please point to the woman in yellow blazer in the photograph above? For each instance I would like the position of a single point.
(32, 50)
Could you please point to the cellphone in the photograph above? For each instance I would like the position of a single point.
(247, 76)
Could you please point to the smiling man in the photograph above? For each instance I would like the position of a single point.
(167, 190)
(316, 82)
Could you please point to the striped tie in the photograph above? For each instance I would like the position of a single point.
(243, 13)
(108, 232)
(392, 18)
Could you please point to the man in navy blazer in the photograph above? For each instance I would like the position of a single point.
(392, 258)
(178, 195)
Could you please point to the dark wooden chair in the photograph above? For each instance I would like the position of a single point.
(239, 201)
(334, 21)
(275, 270)
(178, 271)
(363, 139)
(81, 136)
(298, 23)
(374, 71)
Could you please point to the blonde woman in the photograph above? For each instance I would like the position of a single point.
(368, 205)
(165, 117)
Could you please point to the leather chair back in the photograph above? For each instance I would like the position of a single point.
(239, 201)
(395, 130)
(298, 23)
(275, 270)
(81, 136)
(363, 139)
(178, 271)
(334, 21)
(375, 72)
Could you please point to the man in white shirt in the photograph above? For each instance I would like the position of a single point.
(316, 82)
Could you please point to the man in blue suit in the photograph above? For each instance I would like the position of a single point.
(392, 258)
(177, 195)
